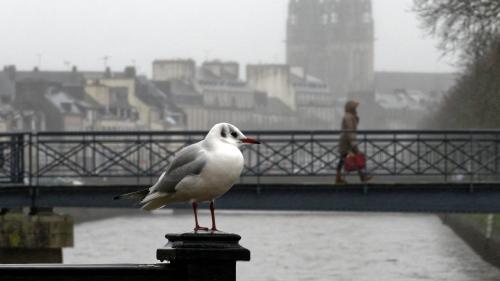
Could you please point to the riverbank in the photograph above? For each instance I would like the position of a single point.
(320, 246)
(81, 215)
(480, 231)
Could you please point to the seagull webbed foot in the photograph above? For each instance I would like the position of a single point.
(198, 228)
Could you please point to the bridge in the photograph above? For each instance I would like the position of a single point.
(415, 171)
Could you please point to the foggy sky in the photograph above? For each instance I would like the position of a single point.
(62, 33)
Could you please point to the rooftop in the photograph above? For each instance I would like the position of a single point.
(390, 82)
(63, 102)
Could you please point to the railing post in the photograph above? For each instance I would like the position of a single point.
(496, 156)
(470, 159)
(445, 157)
(394, 149)
(20, 155)
(37, 159)
(258, 164)
(293, 153)
(30, 159)
(16, 160)
(365, 150)
(150, 170)
(419, 157)
(204, 256)
(138, 162)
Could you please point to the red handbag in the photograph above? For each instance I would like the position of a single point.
(354, 162)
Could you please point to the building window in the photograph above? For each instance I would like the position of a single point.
(66, 106)
(333, 18)
(367, 18)
(293, 19)
(5, 99)
(324, 19)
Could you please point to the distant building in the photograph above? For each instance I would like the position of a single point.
(210, 94)
(7, 95)
(273, 79)
(128, 97)
(170, 116)
(32, 105)
(334, 41)
(7, 85)
(185, 96)
(70, 81)
(180, 69)
(272, 114)
(51, 100)
(64, 112)
(407, 97)
(115, 112)
(90, 100)
(220, 70)
(6, 118)
(314, 100)
(225, 97)
(434, 84)
(308, 97)
(213, 93)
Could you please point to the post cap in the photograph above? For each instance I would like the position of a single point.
(203, 245)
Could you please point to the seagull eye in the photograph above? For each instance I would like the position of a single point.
(234, 134)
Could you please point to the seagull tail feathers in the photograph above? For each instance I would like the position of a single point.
(137, 195)
(153, 205)
(155, 200)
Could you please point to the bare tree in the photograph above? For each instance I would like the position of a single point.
(469, 27)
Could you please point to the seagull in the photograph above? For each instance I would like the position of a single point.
(200, 172)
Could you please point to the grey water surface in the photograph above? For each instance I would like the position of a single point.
(300, 245)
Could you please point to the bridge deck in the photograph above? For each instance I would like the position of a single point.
(377, 197)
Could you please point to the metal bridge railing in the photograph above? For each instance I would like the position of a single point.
(106, 156)
(12, 147)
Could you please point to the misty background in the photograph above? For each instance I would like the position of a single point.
(186, 65)
(177, 65)
(58, 33)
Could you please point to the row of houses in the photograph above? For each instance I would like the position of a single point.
(271, 96)
(74, 100)
(182, 95)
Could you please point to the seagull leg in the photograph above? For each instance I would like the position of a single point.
(212, 212)
(195, 210)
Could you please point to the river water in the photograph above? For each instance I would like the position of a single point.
(300, 245)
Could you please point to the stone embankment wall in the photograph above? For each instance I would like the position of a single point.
(34, 238)
(480, 231)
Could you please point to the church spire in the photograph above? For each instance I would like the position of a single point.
(333, 40)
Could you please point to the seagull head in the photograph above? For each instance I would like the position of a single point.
(228, 133)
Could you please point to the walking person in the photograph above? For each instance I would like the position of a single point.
(348, 142)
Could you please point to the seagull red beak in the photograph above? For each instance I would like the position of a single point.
(250, 140)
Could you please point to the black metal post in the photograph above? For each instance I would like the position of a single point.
(15, 159)
(204, 256)
(85, 272)
(192, 257)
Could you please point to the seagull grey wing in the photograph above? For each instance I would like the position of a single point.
(188, 161)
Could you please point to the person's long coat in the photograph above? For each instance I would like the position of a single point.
(348, 140)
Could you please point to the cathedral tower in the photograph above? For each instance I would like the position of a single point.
(333, 40)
